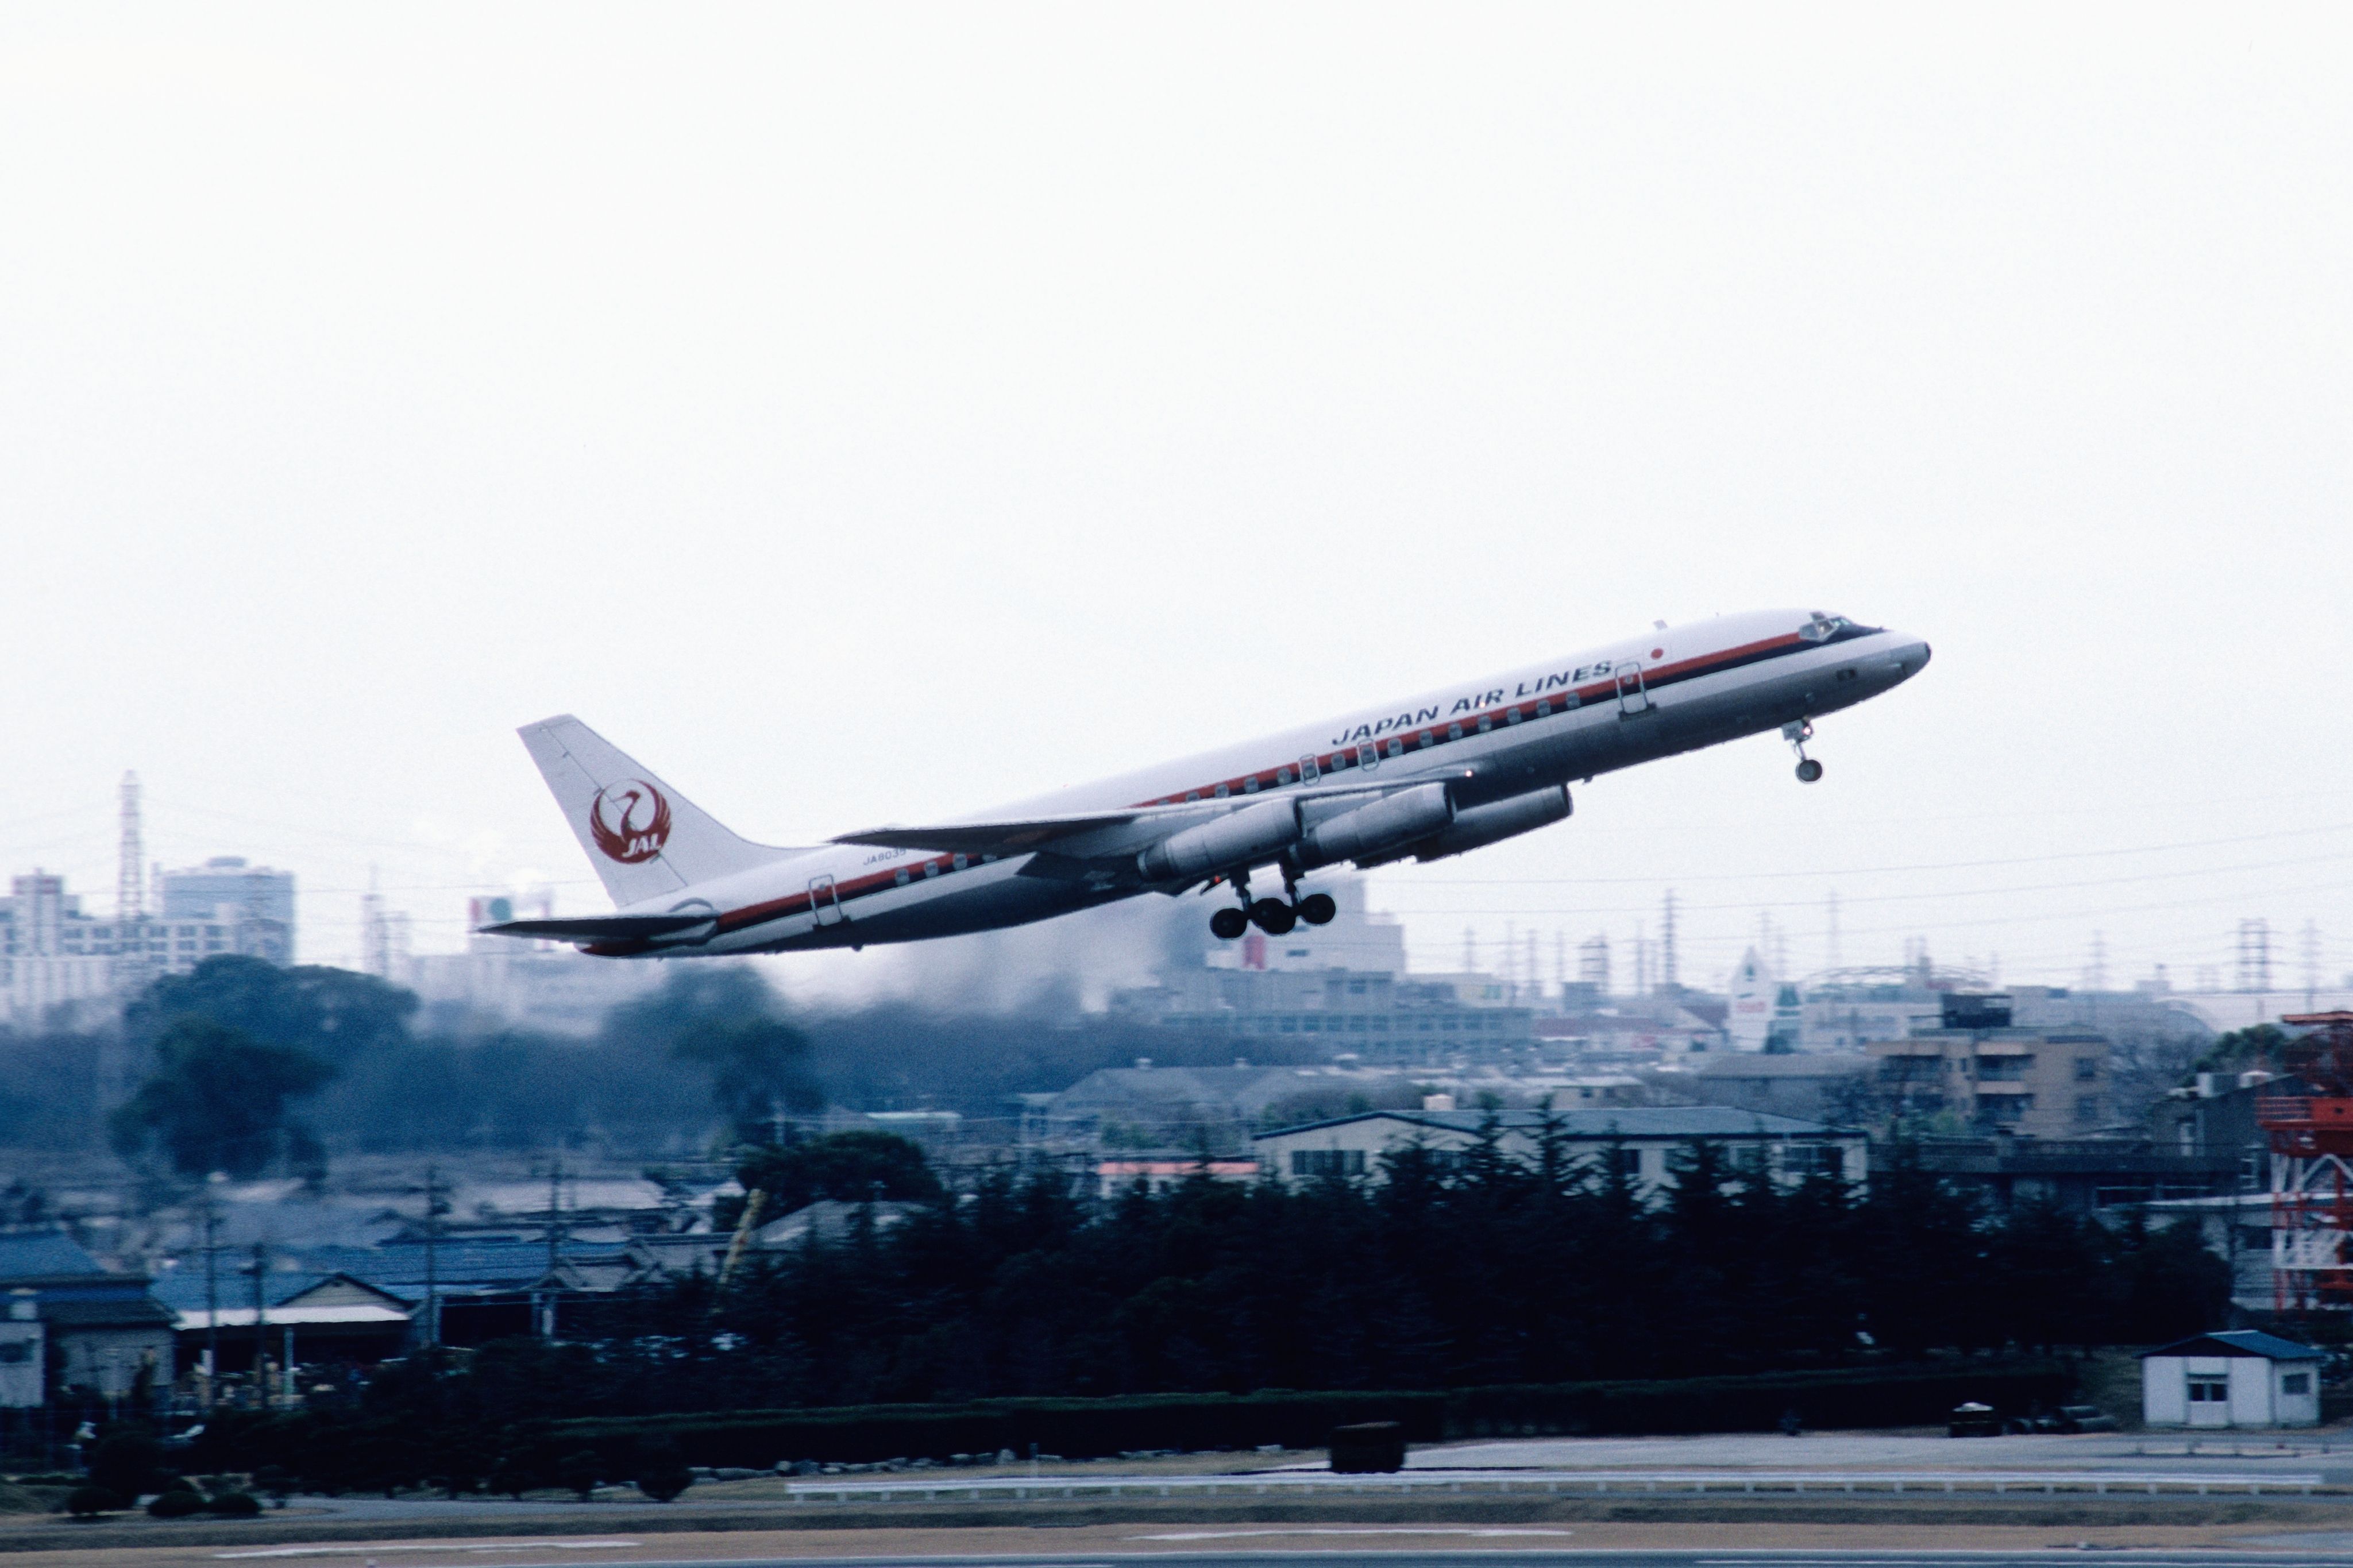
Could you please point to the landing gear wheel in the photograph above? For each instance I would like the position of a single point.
(1273, 916)
(1228, 924)
(1317, 909)
(1798, 732)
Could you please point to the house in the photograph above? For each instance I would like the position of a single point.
(104, 1329)
(2241, 1378)
(304, 1319)
(22, 1362)
(1643, 1139)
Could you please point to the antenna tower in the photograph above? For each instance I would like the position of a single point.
(376, 955)
(1667, 945)
(2255, 955)
(1832, 955)
(130, 896)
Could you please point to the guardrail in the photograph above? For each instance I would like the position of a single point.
(1523, 1483)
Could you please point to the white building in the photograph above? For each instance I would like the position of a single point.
(1644, 1138)
(2241, 1378)
(52, 953)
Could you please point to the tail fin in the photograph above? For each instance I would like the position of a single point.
(644, 838)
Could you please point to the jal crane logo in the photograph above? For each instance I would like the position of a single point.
(630, 821)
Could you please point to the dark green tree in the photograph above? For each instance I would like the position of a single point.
(662, 1475)
(854, 1167)
(578, 1473)
(328, 1013)
(217, 1101)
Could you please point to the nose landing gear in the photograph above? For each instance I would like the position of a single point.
(1798, 734)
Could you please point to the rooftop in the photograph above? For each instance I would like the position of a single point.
(1604, 1123)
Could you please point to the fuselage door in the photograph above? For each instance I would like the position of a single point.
(1308, 770)
(1632, 697)
(824, 903)
(1368, 755)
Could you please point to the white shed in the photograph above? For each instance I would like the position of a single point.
(2241, 1378)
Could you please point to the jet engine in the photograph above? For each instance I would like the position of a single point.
(1484, 825)
(1391, 822)
(1477, 826)
(1228, 840)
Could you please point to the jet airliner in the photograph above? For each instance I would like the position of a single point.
(1435, 776)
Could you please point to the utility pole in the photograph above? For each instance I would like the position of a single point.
(261, 1329)
(212, 1298)
(555, 1243)
(432, 1261)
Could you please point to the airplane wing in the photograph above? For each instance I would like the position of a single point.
(599, 928)
(1022, 834)
(1011, 838)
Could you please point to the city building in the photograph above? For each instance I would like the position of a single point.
(2242, 1378)
(226, 889)
(1645, 1139)
(1345, 985)
(1968, 1067)
(499, 984)
(53, 954)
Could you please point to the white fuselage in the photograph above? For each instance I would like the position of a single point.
(1536, 728)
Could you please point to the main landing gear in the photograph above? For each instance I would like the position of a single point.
(1798, 734)
(1272, 916)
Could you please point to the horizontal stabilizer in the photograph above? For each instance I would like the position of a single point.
(598, 928)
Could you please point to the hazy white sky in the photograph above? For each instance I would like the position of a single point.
(873, 413)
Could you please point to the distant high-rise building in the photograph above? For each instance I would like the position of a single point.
(226, 891)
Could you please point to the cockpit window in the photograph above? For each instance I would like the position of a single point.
(1826, 629)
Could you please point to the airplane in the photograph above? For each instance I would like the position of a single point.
(1435, 776)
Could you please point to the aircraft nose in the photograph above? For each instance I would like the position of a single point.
(1910, 657)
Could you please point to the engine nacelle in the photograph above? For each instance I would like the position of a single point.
(1228, 840)
(1483, 825)
(1378, 826)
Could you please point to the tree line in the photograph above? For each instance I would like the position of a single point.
(247, 1067)
(1500, 1271)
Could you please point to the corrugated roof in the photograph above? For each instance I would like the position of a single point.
(1601, 1122)
(2240, 1342)
(44, 1255)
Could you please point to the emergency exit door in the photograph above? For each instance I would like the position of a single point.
(824, 903)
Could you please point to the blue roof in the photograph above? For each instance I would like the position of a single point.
(459, 1267)
(45, 1255)
(1603, 1122)
(183, 1288)
(2240, 1342)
